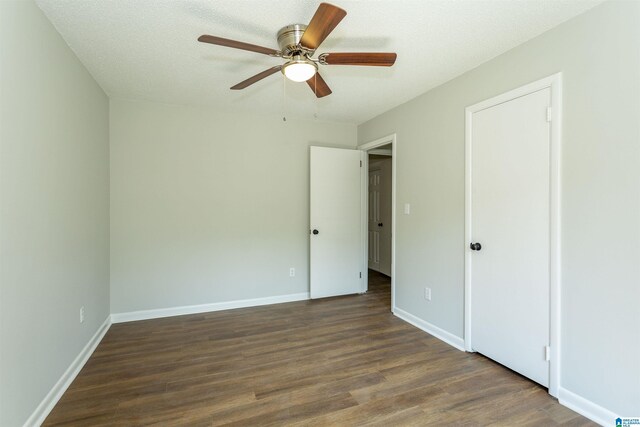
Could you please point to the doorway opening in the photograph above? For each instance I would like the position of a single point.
(379, 219)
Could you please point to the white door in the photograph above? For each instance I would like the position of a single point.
(510, 221)
(374, 219)
(384, 217)
(336, 222)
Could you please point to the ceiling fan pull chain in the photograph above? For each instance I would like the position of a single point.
(284, 98)
(315, 90)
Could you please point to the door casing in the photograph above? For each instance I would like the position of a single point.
(554, 82)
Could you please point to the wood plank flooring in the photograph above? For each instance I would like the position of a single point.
(333, 362)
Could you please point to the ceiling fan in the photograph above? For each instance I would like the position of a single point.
(298, 43)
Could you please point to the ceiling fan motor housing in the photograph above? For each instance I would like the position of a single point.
(289, 38)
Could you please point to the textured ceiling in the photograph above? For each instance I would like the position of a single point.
(147, 49)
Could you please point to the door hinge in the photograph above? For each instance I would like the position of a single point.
(360, 163)
(547, 353)
(361, 274)
(548, 114)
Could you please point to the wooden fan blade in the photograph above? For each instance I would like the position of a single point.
(236, 44)
(319, 86)
(375, 59)
(326, 18)
(257, 77)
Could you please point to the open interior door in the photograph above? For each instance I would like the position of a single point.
(336, 248)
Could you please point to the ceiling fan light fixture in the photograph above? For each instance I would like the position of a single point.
(299, 69)
(298, 43)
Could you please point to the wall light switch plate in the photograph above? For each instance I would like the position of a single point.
(427, 294)
(292, 272)
(407, 208)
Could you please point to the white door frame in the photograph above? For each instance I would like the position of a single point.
(554, 82)
(368, 147)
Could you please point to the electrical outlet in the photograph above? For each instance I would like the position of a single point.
(82, 314)
(292, 272)
(427, 294)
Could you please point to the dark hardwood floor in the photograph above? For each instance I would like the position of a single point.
(332, 362)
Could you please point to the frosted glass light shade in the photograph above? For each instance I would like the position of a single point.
(299, 70)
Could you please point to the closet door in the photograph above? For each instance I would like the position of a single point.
(510, 221)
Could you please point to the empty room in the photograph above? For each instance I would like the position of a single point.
(363, 212)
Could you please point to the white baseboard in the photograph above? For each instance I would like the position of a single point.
(441, 334)
(204, 308)
(587, 408)
(44, 408)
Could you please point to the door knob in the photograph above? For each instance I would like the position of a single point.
(315, 231)
(475, 246)
(379, 224)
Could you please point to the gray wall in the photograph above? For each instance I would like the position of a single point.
(598, 53)
(208, 206)
(54, 208)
